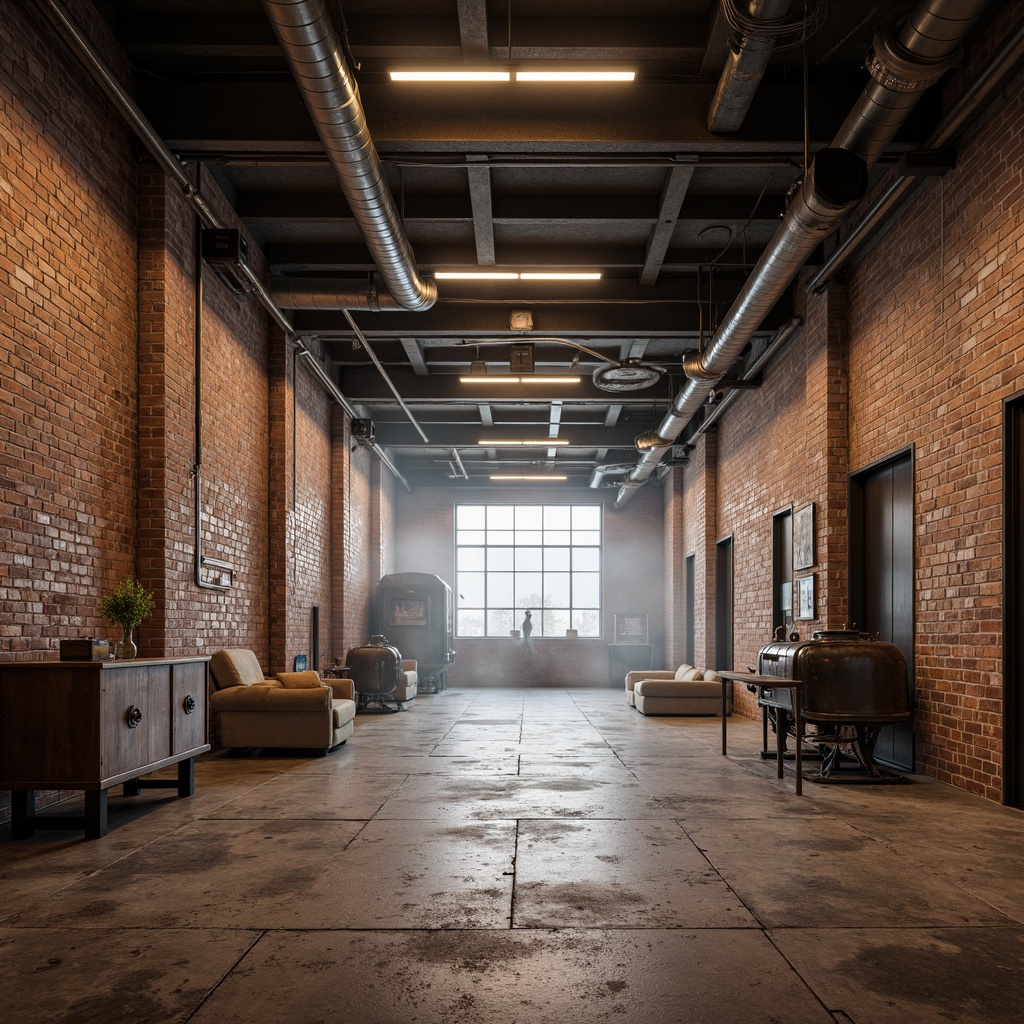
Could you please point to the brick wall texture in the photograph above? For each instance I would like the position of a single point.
(99, 451)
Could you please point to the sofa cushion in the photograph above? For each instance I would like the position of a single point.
(678, 688)
(300, 680)
(236, 666)
(685, 673)
(342, 711)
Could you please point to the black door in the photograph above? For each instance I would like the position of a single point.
(691, 612)
(723, 604)
(1013, 604)
(882, 577)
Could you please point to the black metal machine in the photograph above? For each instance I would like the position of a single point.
(853, 686)
(376, 669)
(417, 612)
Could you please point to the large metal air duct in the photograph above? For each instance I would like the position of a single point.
(905, 62)
(749, 53)
(316, 58)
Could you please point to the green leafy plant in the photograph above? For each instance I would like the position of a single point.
(128, 605)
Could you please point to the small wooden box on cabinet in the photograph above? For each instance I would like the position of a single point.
(91, 725)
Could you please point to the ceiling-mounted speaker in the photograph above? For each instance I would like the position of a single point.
(362, 430)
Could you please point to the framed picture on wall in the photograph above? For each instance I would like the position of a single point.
(803, 537)
(805, 597)
(631, 628)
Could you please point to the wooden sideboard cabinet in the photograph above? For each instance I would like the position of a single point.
(90, 725)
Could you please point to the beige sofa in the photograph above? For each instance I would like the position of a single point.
(685, 691)
(295, 709)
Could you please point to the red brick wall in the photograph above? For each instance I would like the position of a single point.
(934, 351)
(634, 575)
(68, 368)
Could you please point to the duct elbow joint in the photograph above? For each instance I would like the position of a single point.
(694, 368)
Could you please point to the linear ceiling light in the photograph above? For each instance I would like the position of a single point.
(515, 275)
(488, 75)
(543, 442)
(525, 476)
(593, 75)
(476, 275)
(474, 378)
(449, 75)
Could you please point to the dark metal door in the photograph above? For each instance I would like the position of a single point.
(691, 614)
(882, 577)
(723, 604)
(1013, 604)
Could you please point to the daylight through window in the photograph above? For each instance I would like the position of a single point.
(545, 559)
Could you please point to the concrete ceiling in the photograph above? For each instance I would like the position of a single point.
(623, 179)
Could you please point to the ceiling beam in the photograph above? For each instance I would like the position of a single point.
(483, 216)
(414, 353)
(403, 435)
(677, 183)
(473, 30)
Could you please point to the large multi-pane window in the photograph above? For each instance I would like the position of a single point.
(545, 559)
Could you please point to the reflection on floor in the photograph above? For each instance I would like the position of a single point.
(510, 856)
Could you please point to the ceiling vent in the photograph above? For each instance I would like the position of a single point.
(631, 375)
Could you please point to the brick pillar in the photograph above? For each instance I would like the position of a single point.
(675, 561)
(281, 526)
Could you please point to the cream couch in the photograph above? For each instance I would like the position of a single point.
(296, 709)
(686, 691)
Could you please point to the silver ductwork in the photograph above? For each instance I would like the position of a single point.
(316, 57)
(749, 53)
(598, 474)
(906, 61)
(331, 293)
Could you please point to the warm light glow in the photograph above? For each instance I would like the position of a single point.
(524, 476)
(515, 275)
(504, 379)
(449, 75)
(554, 275)
(549, 442)
(575, 76)
(476, 275)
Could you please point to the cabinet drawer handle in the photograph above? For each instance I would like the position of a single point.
(134, 716)
(189, 704)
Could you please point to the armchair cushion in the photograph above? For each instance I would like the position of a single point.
(235, 667)
(687, 672)
(272, 697)
(299, 680)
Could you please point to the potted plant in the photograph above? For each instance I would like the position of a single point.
(127, 606)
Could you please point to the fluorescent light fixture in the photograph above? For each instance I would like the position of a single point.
(476, 378)
(546, 275)
(515, 275)
(476, 275)
(543, 442)
(450, 75)
(525, 476)
(575, 76)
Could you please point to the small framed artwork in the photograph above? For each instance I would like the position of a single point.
(301, 662)
(803, 537)
(631, 628)
(805, 597)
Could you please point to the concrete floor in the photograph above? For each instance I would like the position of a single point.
(520, 857)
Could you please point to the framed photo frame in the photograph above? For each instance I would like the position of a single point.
(805, 597)
(631, 628)
(803, 537)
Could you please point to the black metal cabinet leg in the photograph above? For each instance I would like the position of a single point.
(23, 810)
(95, 813)
(187, 777)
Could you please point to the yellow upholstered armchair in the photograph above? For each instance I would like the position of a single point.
(295, 709)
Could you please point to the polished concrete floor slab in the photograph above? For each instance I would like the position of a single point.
(520, 856)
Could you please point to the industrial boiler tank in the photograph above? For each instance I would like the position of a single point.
(376, 670)
(416, 611)
(852, 686)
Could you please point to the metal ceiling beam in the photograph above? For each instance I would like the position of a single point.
(403, 435)
(473, 29)
(483, 214)
(673, 193)
(208, 116)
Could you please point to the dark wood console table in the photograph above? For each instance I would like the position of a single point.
(764, 700)
(90, 725)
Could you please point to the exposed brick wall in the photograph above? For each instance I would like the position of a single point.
(934, 351)
(675, 567)
(68, 369)
(634, 574)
